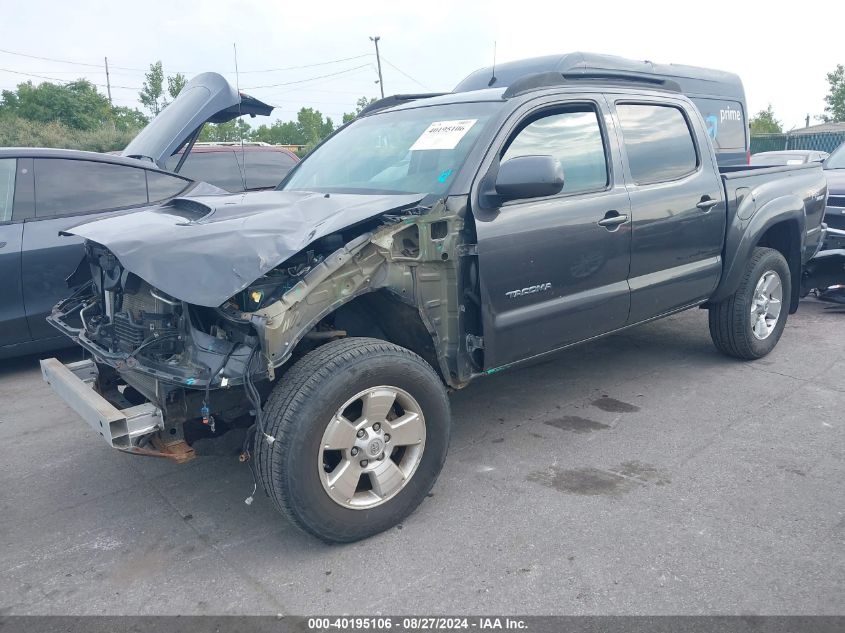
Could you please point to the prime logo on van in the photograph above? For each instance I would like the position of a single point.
(730, 115)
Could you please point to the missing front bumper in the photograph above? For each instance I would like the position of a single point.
(120, 428)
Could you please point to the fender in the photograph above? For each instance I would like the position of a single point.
(743, 235)
(369, 263)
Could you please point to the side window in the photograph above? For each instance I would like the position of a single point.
(265, 170)
(658, 142)
(217, 168)
(574, 138)
(162, 186)
(8, 168)
(65, 187)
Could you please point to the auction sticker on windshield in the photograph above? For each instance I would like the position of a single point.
(443, 135)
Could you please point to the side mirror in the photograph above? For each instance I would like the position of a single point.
(529, 177)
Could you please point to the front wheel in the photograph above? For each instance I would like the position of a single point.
(362, 430)
(749, 323)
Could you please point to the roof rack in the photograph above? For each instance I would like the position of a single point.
(394, 100)
(536, 81)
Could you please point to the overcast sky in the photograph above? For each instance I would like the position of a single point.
(782, 51)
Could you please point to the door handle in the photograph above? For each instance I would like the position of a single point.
(707, 203)
(612, 219)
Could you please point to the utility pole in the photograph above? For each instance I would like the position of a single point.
(375, 39)
(108, 82)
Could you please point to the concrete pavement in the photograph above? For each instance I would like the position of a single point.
(642, 473)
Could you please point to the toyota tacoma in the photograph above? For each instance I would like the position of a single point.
(433, 240)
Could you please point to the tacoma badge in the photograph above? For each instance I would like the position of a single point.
(513, 294)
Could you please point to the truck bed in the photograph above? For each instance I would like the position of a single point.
(757, 196)
(749, 189)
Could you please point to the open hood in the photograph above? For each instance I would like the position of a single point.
(205, 98)
(204, 249)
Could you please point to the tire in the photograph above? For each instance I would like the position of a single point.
(301, 413)
(731, 326)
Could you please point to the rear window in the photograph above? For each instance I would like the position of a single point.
(725, 122)
(658, 142)
(217, 168)
(162, 186)
(265, 170)
(63, 187)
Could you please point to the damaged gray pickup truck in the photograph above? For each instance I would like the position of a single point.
(431, 241)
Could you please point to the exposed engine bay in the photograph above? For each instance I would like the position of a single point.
(213, 366)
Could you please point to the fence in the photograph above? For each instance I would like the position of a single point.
(820, 141)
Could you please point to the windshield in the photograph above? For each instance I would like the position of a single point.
(836, 160)
(418, 150)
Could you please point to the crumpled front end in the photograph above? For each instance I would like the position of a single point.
(152, 349)
(137, 329)
(208, 367)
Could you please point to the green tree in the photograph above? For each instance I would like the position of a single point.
(152, 92)
(764, 122)
(230, 131)
(309, 129)
(128, 119)
(18, 132)
(77, 105)
(835, 99)
(312, 126)
(279, 133)
(153, 95)
(362, 103)
(175, 83)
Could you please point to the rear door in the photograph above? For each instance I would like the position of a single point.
(13, 327)
(677, 206)
(69, 192)
(550, 274)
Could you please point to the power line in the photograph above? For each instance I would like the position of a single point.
(144, 70)
(396, 68)
(50, 59)
(101, 85)
(312, 101)
(299, 81)
(64, 81)
(333, 61)
(70, 62)
(312, 86)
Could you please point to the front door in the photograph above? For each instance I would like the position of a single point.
(551, 274)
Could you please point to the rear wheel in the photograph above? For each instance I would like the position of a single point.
(362, 429)
(749, 323)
